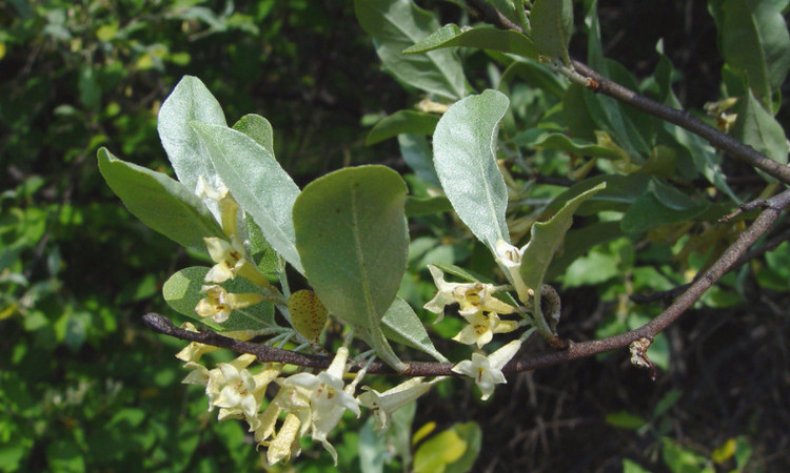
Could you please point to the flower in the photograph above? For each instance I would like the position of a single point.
(482, 327)
(228, 256)
(384, 404)
(218, 303)
(471, 297)
(509, 258)
(243, 392)
(487, 370)
(327, 395)
(194, 351)
(220, 203)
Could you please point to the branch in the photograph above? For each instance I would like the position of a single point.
(684, 119)
(729, 259)
(597, 83)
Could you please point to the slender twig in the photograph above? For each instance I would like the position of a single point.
(590, 78)
(729, 259)
(685, 120)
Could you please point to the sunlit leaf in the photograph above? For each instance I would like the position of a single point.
(353, 241)
(464, 148)
(397, 24)
(160, 202)
(258, 183)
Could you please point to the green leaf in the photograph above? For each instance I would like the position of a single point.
(417, 153)
(625, 420)
(64, 455)
(464, 149)
(754, 40)
(258, 183)
(403, 121)
(182, 291)
(397, 24)
(417, 206)
(190, 101)
(633, 467)
(579, 242)
(470, 433)
(552, 26)
(661, 204)
(160, 202)
(353, 240)
(540, 138)
(451, 451)
(757, 127)
(546, 238)
(258, 128)
(688, 145)
(372, 448)
(482, 37)
(402, 325)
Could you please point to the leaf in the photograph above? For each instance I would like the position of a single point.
(578, 242)
(417, 153)
(607, 113)
(372, 448)
(540, 138)
(625, 420)
(754, 40)
(258, 128)
(482, 37)
(258, 183)
(182, 291)
(190, 101)
(660, 205)
(758, 128)
(688, 145)
(397, 24)
(160, 202)
(308, 314)
(552, 26)
(353, 240)
(451, 451)
(464, 149)
(400, 122)
(546, 238)
(436, 453)
(417, 206)
(402, 325)
(471, 433)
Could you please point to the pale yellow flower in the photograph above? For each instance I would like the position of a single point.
(487, 370)
(218, 303)
(384, 404)
(471, 297)
(482, 327)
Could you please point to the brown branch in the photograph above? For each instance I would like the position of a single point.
(730, 258)
(685, 120)
(681, 118)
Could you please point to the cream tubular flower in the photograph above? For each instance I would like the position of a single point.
(487, 370)
(228, 256)
(286, 443)
(329, 397)
(509, 258)
(194, 351)
(482, 327)
(218, 303)
(471, 297)
(384, 404)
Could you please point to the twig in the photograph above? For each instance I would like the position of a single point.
(685, 120)
(729, 259)
(588, 77)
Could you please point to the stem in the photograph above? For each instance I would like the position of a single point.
(729, 259)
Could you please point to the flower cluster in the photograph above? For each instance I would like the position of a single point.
(229, 256)
(305, 403)
(481, 310)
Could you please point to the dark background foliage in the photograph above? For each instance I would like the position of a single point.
(85, 387)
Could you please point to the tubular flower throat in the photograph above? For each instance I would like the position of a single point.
(218, 303)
